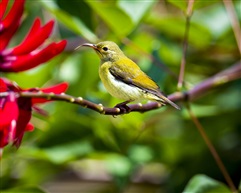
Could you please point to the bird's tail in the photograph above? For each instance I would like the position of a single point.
(166, 100)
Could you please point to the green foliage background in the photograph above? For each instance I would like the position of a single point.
(161, 148)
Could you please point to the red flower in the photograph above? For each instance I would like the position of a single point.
(15, 111)
(27, 55)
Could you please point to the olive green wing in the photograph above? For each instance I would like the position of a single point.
(133, 76)
(129, 73)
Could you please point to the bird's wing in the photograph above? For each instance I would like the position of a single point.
(128, 72)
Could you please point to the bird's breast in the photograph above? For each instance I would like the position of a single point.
(116, 87)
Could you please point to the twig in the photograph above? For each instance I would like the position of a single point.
(185, 45)
(212, 150)
(202, 88)
(234, 21)
(230, 74)
(85, 103)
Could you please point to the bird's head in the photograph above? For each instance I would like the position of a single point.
(107, 50)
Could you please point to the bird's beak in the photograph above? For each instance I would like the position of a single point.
(88, 45)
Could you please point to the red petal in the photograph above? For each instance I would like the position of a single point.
(11, 22)
(29, 127)
(57, 89)
(4, 136)
(7, 85)
(12, 131)
(22, 122)
(35, 27)
(3, 6)
(8, 110)
(6, 35)
(3, 86)
(14, 14)
(33, 59)
(34, 40)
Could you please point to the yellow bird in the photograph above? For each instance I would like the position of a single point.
(123, 78)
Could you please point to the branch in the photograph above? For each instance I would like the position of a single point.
(185, 45)
(228, 75)
(212, 150)
(234, 21)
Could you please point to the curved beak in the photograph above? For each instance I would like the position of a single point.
(88, 45)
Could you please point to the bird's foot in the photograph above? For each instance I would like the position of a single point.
(123, 107)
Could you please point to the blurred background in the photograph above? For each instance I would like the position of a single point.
(75, 149)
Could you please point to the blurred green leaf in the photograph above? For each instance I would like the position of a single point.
(171, 54)
(118, 165)
(199, 35)
(140, 154)
(24, 190)
(78, 9)
(136, 9)
(204, 184)
(215, 19)
(202, 111)
(61, 153)
(113, 16)
(76, 25)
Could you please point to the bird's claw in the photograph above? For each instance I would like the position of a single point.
(123, 108)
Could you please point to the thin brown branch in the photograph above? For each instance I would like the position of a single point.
(212, 150)
(234, 21)
(85, 103)
(201, 89)
(227, 75)
(230, 74)
(185, 45)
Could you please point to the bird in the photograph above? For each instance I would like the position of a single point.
(123, 78)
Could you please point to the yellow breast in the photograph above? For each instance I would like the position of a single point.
(118, 88)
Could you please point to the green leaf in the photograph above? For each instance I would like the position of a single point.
(66, 152)
(204, 184)
(73, 23)
(140, 154)
(117, 20)
(170, 53)
(24, 190)
(118, 165)
(136, 9)
(199, 35)
(59, 154)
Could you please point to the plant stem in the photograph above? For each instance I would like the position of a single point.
(185, 45)
(234, 21)
(212, 150)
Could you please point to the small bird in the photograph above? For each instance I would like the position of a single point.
(123, 78)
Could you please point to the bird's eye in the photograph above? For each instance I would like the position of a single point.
(105, 48)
